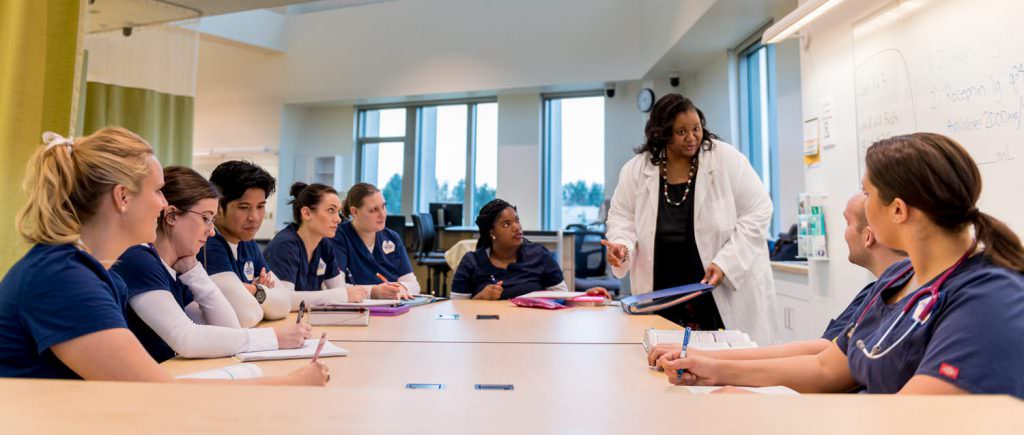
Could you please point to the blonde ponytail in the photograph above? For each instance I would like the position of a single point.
(64, 183)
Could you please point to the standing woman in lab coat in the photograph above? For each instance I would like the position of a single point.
(690, 208)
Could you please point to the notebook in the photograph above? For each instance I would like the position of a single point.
(237, 371)
(306, 351)
(777, 390)
(704, 340)
(552, 294)
(650, 302)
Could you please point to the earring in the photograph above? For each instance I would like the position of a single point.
(493, 237)
(124, 209)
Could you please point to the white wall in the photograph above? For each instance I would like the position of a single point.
(519, 165)
(238, 110)
(827, 73)
(790, 131)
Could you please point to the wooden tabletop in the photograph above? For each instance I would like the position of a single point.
(63, 407)
(583, 325)
(460, 366)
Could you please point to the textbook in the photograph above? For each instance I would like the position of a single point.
(704, 340)
(237, 371)
(306, 351)
(330, 315)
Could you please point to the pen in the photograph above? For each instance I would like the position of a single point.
(686, 341)
(381, 277)
(302, 309)
(319, 347)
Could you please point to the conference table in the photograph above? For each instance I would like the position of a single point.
(578, 370)
(435, 323)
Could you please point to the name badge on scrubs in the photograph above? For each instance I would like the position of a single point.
(321, 268)
(249, 271)
(388, 246)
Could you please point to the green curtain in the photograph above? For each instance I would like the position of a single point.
(162, 119)
(38, 43)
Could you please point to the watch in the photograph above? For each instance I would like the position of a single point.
(261, 293)
(645, 100)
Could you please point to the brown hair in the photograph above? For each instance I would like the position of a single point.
(355, 197)
(64, 182)
(183, 188)
(307, 195)
(936, 175)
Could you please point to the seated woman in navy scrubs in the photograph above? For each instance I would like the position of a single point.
(231, 256)
(174, 306)
(301, 256)
(62, 313)
(505, 265)
(921, 194)
(370, 254)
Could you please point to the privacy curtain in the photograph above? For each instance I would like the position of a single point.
(38, 47)
(164, 120)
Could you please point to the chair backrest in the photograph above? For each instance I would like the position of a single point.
(425, 233)
(590, 253)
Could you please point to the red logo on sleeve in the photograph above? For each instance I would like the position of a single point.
(949, 371)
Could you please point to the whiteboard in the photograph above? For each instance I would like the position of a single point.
(954, 67)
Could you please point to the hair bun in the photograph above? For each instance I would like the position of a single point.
(297, 188)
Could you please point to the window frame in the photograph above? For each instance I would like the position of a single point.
(411, 189)
(550, 156)
(765, 158)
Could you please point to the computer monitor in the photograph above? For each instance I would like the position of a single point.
(446, 214)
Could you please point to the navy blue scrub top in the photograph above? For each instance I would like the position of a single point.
(54, 294)
(362, 266)
(286, 255)
(972, 339)
(142, 271)
(535, 269)
(846, 318)
(216, 257)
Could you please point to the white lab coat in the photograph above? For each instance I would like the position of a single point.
(732, 212)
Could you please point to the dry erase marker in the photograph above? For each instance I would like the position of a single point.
(302, 309)
(686, 341)
(319, 346)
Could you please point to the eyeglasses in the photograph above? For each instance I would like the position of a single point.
(207, 218)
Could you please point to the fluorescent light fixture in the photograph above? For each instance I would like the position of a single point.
(796, 20)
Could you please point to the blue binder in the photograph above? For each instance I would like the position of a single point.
(650, 302)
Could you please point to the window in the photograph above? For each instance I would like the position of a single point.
(455, 148)
(381, 153)
(442, 145)
(573, 177)
(485, 173)
(758, 138)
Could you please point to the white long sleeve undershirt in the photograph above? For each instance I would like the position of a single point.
(219, 335)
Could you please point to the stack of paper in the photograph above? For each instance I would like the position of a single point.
(238, 371)
(704, 340)
(306, 351)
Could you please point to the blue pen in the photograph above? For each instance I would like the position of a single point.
(686, 341)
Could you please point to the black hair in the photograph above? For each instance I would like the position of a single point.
(658, 130)
(485, 220)
(234, 177)
(307, 195)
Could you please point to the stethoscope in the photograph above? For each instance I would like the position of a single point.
(924, 301)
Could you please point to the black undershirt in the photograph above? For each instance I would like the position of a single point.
(677, 261)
